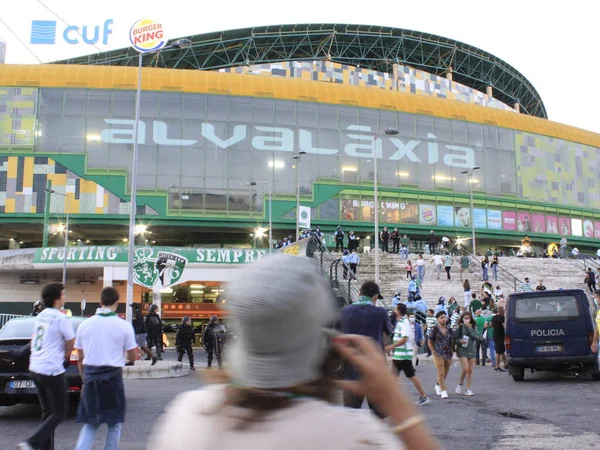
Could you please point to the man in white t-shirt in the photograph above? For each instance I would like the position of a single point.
(51, 347)
(102, 342)
(438, 261)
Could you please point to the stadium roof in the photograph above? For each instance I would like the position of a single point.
(374, 47)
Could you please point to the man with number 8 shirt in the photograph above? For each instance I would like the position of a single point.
(51, 346)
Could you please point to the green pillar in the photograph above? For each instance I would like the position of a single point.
(47, 213)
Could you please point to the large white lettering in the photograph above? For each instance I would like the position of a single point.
(432, 149)
(159, 135)
(123, 135)
(305, 139)
(405, 150)
(368, 145)
(239, 134)
(224, 255)
(460, 157)
(284, 142)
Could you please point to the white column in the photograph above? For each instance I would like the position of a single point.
(108, 276)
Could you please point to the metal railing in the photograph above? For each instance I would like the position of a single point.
(506, 277)
(6, 317)
(584, 259)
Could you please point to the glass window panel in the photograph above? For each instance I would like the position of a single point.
(50, 126)
(218, 107)
(123, 104)
(475, 133)
(171, 105)
(99, 103)
(149, 106)
(73, 134)
(192, 162)
(75, 102)
(490, 136)
(215, 201)
(263, 110)
(506, 139)
(193, 183)
(285, 113)
(240, 110)
(507, 172)
(441, 129)
(328, 116)
(169, 161)
(194, 106)
(306, 114)
(348, 115)
(239, 202)
(147, 181)
(51, 101)
(407, 125)
(369, 118)
(388, 119)
(490, 179)
(424, 126)
(459, 132)
(330, 209)
(148, 159)
(102, 155)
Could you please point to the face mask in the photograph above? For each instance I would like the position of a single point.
(412, 320)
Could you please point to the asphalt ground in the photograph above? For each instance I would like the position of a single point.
(546, 411)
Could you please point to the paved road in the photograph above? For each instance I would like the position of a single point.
(554, 412)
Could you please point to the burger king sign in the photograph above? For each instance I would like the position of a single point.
(147, 35)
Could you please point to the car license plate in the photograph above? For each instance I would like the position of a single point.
(21, 384)
(549, 348)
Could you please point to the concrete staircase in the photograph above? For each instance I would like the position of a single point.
(555, 273)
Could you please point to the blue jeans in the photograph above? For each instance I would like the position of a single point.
(421, 272)
(87, 436)
(484, 275)
(495, 271)
(492, 347)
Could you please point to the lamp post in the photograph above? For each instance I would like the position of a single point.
(66, 245)
(254, 183)
(180, 43)
(387, 132)
(298, 158)
(469, 173)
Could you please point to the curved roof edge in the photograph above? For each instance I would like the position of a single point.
(218, 83)
(375, 47)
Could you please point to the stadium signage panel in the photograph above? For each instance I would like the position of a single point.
(147, 35)
(283, 139)
(117, 255)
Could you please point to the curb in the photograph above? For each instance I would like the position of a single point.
(162, 369)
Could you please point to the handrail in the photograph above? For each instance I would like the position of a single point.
(586, 259)
(504, 275)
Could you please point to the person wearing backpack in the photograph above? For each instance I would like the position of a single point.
(154, 329)
(465, 336)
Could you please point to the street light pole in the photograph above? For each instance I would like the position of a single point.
(298, 158)
(180, 43)
(254, 183)
(469, 173)
(49, 192)
(387, 132)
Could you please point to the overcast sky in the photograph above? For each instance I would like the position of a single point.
(553, 44)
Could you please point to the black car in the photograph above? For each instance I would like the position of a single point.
(16, 386)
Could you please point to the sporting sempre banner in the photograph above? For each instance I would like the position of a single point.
(494, 219)
(445, 216)
(427, 215)
(479, 218)
(168, 261)
(509, 220)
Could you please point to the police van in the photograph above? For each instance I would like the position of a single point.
(551, 330)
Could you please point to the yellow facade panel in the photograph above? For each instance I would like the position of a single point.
(107, 77)
(12, 167)
(28, 172)
(10, 205)
(58, 179)
(33, 210)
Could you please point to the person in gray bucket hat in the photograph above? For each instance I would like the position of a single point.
(277, 389)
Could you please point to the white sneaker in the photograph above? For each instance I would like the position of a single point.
(24, 446)
(444, 394)
(469, 393)
(438, 390)
(459, 389)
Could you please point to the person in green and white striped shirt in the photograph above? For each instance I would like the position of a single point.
(402, 355)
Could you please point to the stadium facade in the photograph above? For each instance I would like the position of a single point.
(238, 105)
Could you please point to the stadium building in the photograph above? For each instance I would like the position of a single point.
(239, 106)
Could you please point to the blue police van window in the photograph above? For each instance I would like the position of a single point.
(546, 309)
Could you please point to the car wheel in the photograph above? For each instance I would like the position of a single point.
(518, 373)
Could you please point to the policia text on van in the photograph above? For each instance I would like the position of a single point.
(551, 330)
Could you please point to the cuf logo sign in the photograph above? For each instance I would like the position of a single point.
(44, 32)
(147, 35)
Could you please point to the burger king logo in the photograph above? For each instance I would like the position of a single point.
(427, 214)
(147, 35)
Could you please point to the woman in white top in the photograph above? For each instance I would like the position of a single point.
(420, 267)
(279, 389)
